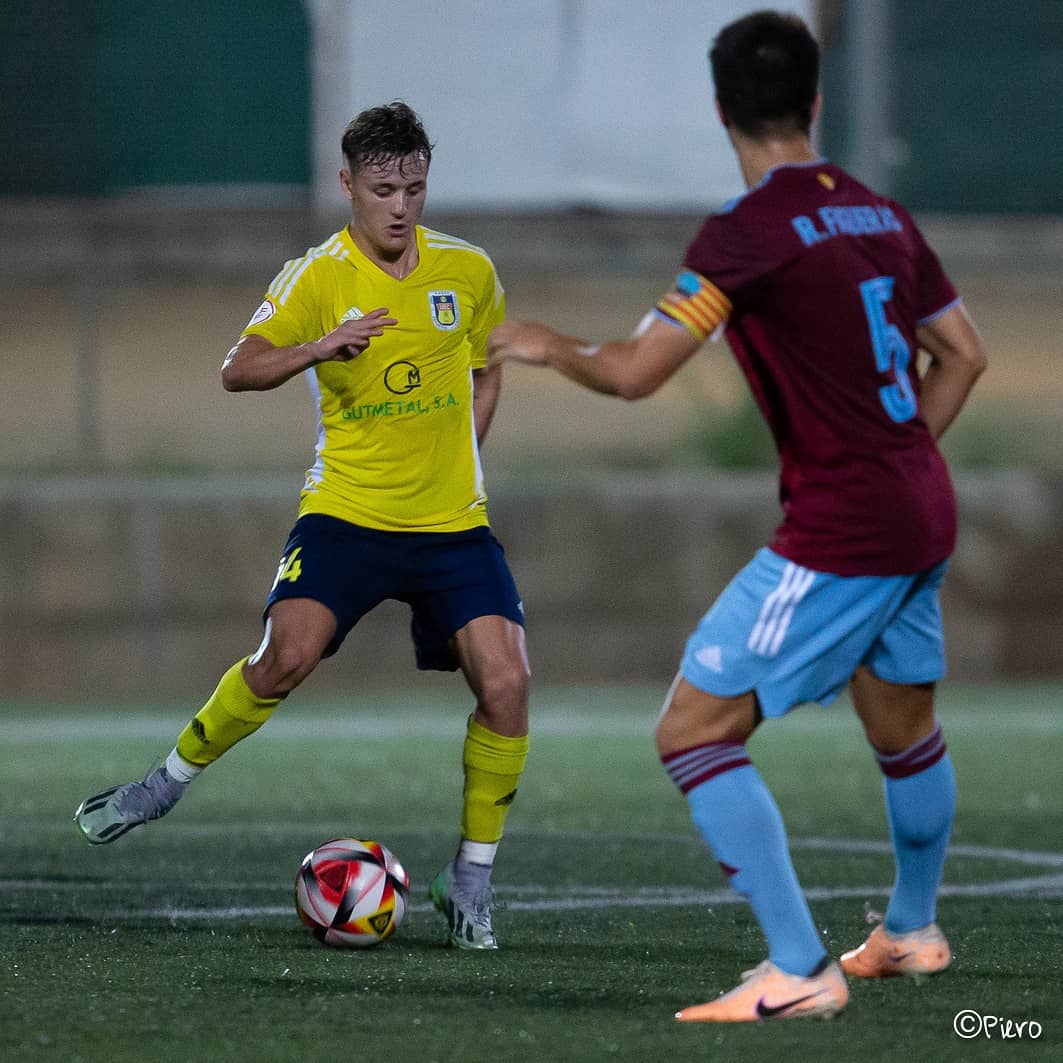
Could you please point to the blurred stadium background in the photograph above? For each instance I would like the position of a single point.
(161, 160)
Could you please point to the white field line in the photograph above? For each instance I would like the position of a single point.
(538, 898)
(311, 829)
(577, 898)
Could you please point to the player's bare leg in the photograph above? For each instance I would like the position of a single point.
(920, 794)
(297, 632)
(693, 717)
(895, 716)
(701, 740)
(494, 661)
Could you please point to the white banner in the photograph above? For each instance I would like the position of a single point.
(536, 103)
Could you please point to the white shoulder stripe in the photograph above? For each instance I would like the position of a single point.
(435, 234)
(282, 296)
(444, 241)
(329, 247)
(294, 263)
(282, 277)
(440, 245)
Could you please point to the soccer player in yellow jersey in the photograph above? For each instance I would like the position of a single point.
(389, 322)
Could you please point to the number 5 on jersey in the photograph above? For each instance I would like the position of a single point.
(892, 353)
(290, 568)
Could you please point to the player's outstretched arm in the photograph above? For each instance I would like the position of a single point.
(255, 364)
(957, 360)
(629, 369)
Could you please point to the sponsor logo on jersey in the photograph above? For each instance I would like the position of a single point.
(263, 313)
(353, 314)
(402, 377)
(444, 309)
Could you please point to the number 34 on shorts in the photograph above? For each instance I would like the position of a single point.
(290, 568)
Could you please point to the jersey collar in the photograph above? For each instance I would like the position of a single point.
(359, 257)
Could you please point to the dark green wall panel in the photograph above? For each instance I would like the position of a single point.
(976, 104)
(49, 124)
(204, 92)
(110, 95)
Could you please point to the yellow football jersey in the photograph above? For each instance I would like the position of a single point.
(396, 445)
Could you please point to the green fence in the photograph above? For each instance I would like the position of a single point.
(973, 103)
(101, 96)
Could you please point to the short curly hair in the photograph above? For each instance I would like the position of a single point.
(391, 131)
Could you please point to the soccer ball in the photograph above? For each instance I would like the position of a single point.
(351, 893)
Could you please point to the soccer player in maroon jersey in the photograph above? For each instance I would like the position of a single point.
(825, 291)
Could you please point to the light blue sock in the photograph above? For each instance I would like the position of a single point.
(920, 808)
(742, 826)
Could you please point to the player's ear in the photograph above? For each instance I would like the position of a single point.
(719, 112)
(817, 105)
(345, 184)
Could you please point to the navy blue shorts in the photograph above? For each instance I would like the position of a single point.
(447, 579)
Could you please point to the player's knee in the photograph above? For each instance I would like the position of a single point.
(669, 734)
(693, 718)
(505, 691)
(281, 669)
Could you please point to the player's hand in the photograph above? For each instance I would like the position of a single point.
(520, 341)
(348, 339)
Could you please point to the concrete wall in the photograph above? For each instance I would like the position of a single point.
(126, 588)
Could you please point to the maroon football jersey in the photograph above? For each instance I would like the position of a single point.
(827, 282)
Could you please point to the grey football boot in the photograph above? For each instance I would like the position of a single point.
(468, 915)
(105, 817)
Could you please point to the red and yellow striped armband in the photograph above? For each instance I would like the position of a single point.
(696, 304)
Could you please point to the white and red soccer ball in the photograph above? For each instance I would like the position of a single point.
(352, 893)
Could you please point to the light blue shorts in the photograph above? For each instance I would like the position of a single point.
(793, 635)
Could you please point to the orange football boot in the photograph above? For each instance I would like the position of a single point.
(885, 955)
(768, 993)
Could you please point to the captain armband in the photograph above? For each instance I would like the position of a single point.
(696, 304)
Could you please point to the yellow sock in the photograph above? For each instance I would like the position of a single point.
(233, 712)
(493, 766)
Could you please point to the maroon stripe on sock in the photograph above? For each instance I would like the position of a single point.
(695, 765)
(924, 754)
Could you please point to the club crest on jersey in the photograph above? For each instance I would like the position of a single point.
(351, 315)
(263, 313)
(444, 309)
